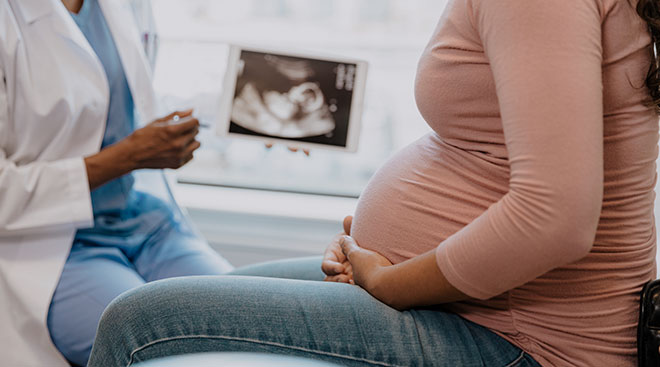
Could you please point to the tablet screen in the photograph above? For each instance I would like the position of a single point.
(304, 100)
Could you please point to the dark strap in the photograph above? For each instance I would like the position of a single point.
(648, 332)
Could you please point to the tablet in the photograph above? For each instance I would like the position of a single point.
(301, 100)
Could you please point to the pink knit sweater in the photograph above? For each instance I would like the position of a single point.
(536, 184)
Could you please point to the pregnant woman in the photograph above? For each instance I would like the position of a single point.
(518, 233)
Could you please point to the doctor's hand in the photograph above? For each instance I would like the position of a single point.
(335, 264)
(157, 145)
(163, 145)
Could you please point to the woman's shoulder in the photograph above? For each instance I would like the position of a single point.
(595, 11)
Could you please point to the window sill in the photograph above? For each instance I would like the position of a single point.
(248, 226)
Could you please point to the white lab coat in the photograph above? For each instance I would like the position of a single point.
(53, 106)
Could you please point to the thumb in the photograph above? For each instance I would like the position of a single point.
(348, 221)
(348, 245)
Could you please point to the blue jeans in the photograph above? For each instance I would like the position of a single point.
(299, 316)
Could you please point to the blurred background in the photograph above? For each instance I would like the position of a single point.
(299, 202)
(389, 34)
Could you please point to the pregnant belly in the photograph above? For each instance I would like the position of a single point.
(422, 195)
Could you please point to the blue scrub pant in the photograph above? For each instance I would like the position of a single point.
(154, 244)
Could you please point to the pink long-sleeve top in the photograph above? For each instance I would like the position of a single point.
(536, 184)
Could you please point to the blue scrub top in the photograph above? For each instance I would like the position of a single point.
(122, 215)
(113, 196)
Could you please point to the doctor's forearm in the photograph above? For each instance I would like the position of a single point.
(108, 164)
(156, 146)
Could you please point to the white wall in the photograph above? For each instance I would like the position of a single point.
(249, 226)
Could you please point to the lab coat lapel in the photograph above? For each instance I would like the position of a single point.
(31, 10)
(61, 23)
(51, 19)
(127, 39)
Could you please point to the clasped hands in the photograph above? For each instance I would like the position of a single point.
(345, 261)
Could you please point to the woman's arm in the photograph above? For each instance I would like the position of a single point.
(416, 282)
(546, 60)
(412, 283)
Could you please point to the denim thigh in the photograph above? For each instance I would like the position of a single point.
(338, 323)
(302, 268)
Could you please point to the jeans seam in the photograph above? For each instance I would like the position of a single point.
(419, 337)
(132, 355)
(520, 358)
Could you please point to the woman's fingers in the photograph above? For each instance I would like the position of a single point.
(341, 278)
(348, 221)
(345, 276)
(348, 269)
(332, 268)
(333, 259)
(348, 246)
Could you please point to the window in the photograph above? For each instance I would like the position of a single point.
(389, 34)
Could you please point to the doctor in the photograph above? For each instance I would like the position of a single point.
(75, 232)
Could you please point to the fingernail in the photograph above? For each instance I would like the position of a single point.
(341, 240)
